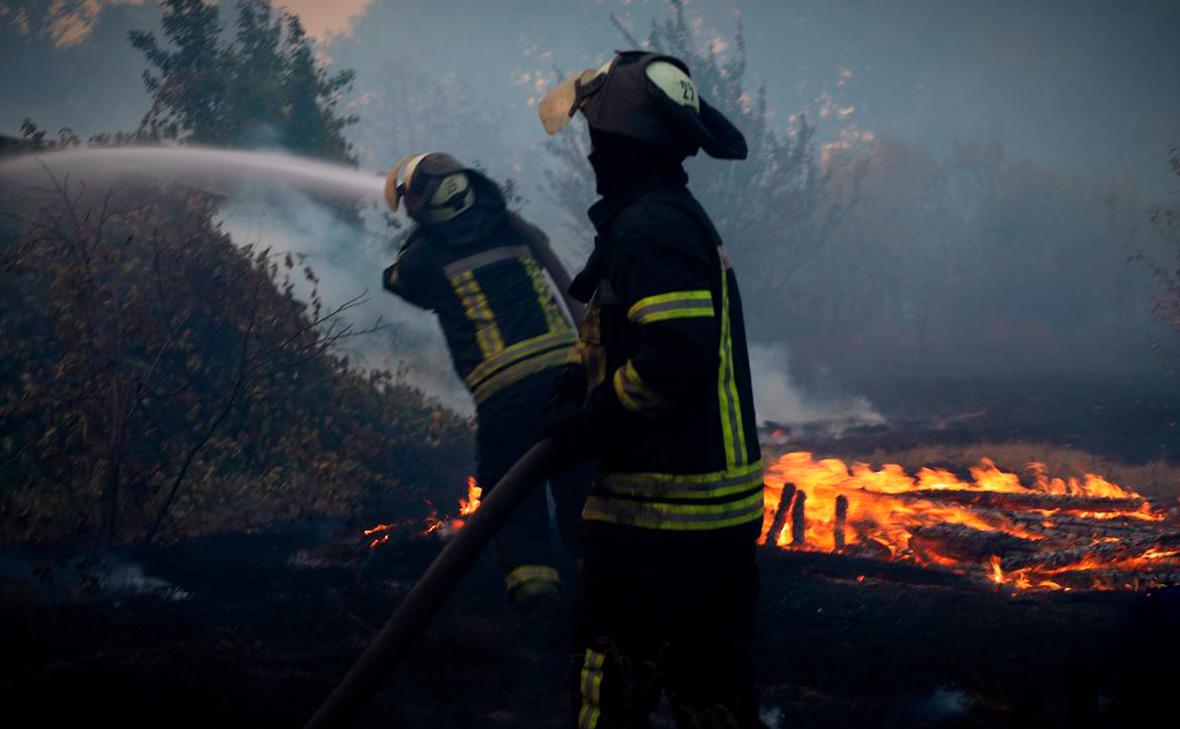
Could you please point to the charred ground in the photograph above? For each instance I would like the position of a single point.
(267, 622)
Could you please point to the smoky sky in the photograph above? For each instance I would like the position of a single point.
(1076, 84)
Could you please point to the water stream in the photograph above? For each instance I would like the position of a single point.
(209, 167)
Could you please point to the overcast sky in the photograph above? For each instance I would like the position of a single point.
(1081, 84)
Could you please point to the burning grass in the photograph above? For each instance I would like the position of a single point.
(1054, 524)
(1157, 480)
(1031, 529)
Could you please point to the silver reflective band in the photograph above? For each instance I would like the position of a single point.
(669, 486)
(520, 351)
(517, 372)
(484, 258)
(657, 515)
(726, 262)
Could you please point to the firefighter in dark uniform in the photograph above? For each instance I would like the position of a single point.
(480, 268)
(661, 395)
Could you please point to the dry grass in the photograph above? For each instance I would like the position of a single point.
(1158, 480)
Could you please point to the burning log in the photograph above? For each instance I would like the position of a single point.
(1026, 501)
(995, 524)
(799, 519)
(841, 518)
(868, 549)
(964, 543)
(1061, 523)
(1091, 554)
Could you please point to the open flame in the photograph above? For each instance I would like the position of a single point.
(1041, 532)
(434, 522)
(468, 505)
(1037, 532)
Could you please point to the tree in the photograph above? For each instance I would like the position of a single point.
(263, 88)
(776, 210)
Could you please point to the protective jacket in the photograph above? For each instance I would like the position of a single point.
(663, 349)
(497, 310)
(476, 269)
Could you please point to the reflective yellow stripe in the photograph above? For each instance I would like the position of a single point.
(673, 305)
(633, 394)
(591, 689)
(520, 351)
(673, 517)
(683, 486)
(479, 313)
(727, 396)
(517, 372)
(590, 348)
(527, 574)
(685, 313)
(555, 320)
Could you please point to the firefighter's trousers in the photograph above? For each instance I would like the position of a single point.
(665, 612)
(509, 425)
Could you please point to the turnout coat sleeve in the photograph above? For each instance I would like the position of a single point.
(408, 276)
(665, 277)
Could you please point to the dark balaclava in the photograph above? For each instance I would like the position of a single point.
(620, 163)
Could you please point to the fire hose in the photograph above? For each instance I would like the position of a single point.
(389, 647)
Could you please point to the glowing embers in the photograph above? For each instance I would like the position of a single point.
(1052, 533)
(443, 525)
(382, 532)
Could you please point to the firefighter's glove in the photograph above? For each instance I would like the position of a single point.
(569, 394)
(583, 433)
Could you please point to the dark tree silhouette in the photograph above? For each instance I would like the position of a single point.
(265, 87)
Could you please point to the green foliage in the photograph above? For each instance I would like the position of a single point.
(159, 379)
(263, 87)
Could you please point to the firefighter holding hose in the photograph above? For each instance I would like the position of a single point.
(480, 268)
(660, 393)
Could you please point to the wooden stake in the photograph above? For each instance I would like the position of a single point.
(799, 519)
(841, 517)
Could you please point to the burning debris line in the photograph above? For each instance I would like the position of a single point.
(1040, 533)
(444, 526)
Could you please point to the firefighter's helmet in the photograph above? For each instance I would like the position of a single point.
(434, 187)
(645, 96)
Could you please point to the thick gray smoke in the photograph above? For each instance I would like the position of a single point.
(778, 399)
(268, 204)
(348, 261)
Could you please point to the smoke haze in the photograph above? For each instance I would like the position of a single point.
(1012, 150)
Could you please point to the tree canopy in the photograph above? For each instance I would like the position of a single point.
(262, 87)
